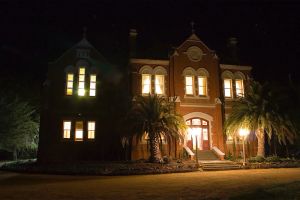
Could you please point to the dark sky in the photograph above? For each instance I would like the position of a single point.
(37, 32)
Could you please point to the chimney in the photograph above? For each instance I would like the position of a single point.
(232, 49)
(132, 43)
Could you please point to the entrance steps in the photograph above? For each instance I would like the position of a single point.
(206, 155)
(218, 165)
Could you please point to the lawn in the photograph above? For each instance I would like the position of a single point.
(237, 184)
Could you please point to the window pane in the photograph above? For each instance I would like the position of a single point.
(196, 122)
(146, 83)
(159, 84)
(189, 85)
(227, 88)
(204, 122)
(81, 79)
(93, 85)
(205, 134)
(202, 85)
(79, 131)
(91, 130)
(93, 78)
(69, 89)
(67, 129)
(92, 93)
(239, 87)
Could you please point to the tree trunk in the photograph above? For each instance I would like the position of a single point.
(260, 142)
(155, 155)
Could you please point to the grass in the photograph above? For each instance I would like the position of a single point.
(235, 184)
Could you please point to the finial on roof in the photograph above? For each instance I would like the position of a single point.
(84, 31)
(192, 25)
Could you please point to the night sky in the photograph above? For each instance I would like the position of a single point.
(35, 33)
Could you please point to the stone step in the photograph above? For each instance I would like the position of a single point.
(222, 165)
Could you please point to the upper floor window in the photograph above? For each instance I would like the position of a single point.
(70, 83)
(159, 84)
(189, 85)
(93, 78)
(79, 133)
(146, 83)
(227, 87)
(239, 84)
(227, 77)
(202, 81)
(202, 84)
(81, 80)
(239, 87)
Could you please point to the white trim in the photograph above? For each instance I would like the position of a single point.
(146, 69)
(236, 67)
(149, 61)
(203, 116)
(159, 70)
(239, 75)
(196, 105)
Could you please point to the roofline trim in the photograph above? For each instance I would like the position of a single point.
(149, 61)
(236, 67)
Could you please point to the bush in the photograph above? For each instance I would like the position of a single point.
(273, 159)
(257, 159)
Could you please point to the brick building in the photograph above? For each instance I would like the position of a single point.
(71, 124)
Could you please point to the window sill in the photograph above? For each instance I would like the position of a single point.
(195, 97)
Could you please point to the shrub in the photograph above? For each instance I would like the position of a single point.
(273, 159)
(257, 159)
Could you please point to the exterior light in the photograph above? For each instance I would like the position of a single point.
(244, 133)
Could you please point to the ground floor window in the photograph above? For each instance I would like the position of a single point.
(81, 130)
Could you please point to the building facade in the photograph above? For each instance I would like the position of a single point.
(203, 89)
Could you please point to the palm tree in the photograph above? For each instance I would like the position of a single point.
(155, 116)
(259, 111)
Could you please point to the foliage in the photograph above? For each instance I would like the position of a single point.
(272, 159)
(259, 111)
(257, 159)
(18, 125)
(155, 116)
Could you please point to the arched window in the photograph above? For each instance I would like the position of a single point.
(189, 74)
(202, 75)
(146, 72)
(159, 75)
(239, 84)
(227, 77)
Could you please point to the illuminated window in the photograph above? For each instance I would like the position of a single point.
(146, 83)
(67, 129)
(159, 84)
(202, 84)
(189, 85)
(81, 79)
(239, 87)
(91, 130)
(79, 131)
(93, 85)
(70, 81)
(228, 87)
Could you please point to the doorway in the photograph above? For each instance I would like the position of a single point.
(198, 134)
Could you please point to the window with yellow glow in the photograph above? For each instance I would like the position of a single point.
(79, 131)
(159, 84)
(146, 83)
(70, 81)
(67, 129)
(81, 79)
(93, 85)
(239, 87)
(202, 84)
(227, 87)
(91, 130)
(189, 85)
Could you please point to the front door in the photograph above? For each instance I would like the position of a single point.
(198, 134)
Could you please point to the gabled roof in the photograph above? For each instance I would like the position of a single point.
(193, 37)
(84, 43)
